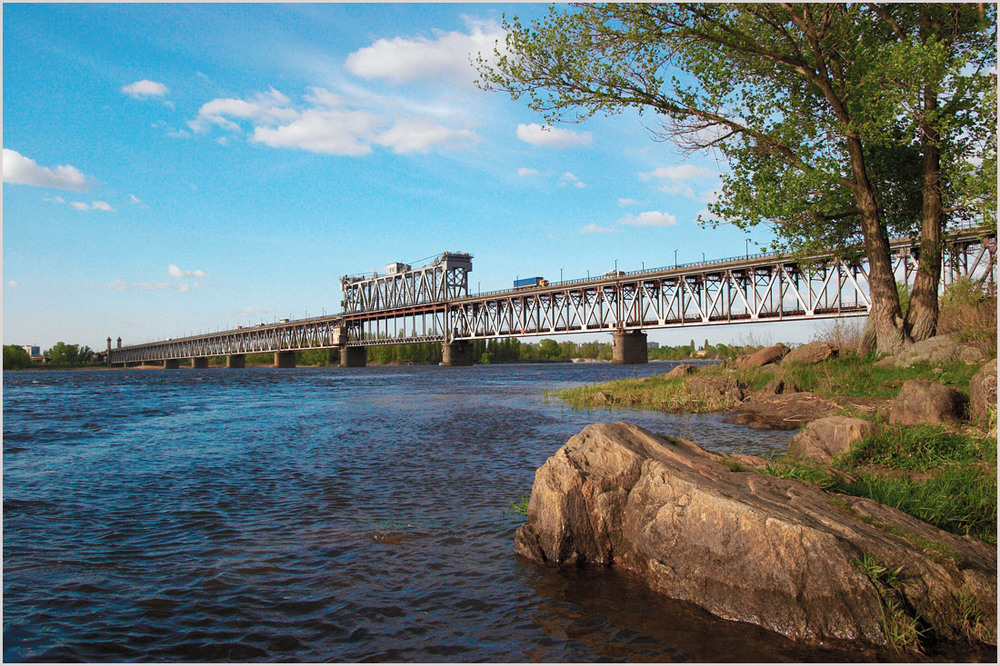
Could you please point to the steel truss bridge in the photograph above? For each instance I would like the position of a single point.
(432, 303)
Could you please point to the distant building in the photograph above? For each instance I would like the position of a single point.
(34, 351)
(652, 345)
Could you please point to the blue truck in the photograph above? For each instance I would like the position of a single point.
(531, 282)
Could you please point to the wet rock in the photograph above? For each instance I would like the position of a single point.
(762, 357)
(814, 352)
(787, 411)
(933, 351)
(824, 439)
(682, 370)
(923, 402)
(745, 546)
(983, 391)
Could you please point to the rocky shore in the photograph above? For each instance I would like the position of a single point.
(786, 553)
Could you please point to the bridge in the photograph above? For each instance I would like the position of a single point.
(432, 303)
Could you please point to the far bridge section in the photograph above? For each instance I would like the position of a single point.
(432, 304)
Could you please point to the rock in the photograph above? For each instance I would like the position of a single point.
(761, 357)
(681, 370)
(787, 411)
(823, 439)
(983, 391)
(600, 399)
(932, 351)
(778, 387)
(922, 402)
(814, 352)
(716, 393)
(745, 546)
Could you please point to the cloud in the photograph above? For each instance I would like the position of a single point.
(122, 285)
(419, 136)
(568, 179)
(334, 132)
(173, 271)
(625, 203)
(94, 205)
(525, 172)
(676, 179)
(447, 56)
(13, 283)
(597, 229)
(21, 170)
(552, 137)
(144, 89)
(652, 218)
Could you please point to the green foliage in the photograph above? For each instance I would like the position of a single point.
(63, 354)
(15, 358)
(969, 311)
(520, 507)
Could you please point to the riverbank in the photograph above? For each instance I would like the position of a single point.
(916, 433)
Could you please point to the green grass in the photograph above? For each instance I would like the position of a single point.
(920, 448)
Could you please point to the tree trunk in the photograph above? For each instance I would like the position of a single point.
(884, 331)
(923, 315)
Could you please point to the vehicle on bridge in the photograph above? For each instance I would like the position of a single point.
(530, 282)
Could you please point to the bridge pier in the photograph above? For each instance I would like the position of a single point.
(284, 359)
(629, 347)
(353, 357)
(236, 361)
(199, 362)
(456, 353)
(171, 364)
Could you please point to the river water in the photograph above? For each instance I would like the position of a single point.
(319, 514)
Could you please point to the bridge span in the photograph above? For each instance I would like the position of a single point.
(432, 303)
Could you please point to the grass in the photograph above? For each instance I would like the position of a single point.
(902, 630)
(847, 375)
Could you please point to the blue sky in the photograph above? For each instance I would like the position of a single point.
(178, 169)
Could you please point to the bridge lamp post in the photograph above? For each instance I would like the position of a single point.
(616, 265)
(560, 275)
(675, 258)
(747, 244)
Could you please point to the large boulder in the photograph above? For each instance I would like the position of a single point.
(783, 411)
(814, 352)
(983, 391)
(714, 393)
(680, 371)
(824, 439)
(933, 351)
(749, 547)
(922, 402)
(761, 357)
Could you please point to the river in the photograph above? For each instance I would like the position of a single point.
(319, 514)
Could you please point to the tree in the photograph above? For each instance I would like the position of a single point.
(801, 99)
(64, 354)
(15, 358)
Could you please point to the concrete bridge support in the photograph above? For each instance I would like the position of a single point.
(629, 347)
(171, 364)
(199, 362)
(284, 359)
(236, 361)
(353, 357)
(456, 353)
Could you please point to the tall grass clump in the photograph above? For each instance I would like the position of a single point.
(968, 309)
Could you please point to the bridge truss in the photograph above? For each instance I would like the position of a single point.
(432, 303)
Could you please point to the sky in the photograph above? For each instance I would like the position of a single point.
(171, 170)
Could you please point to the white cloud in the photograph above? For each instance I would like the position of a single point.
(21, 170)
(652, 218)
(552, 137)
(94, 205)
(525, 172)
(13, 283)
(597, 229)
(625, 203)
(419, 136)
(448, 56)
(334, 132)
(568, 179)
(173, 271)
(676, 179)
(267, 108)
(144, 88)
